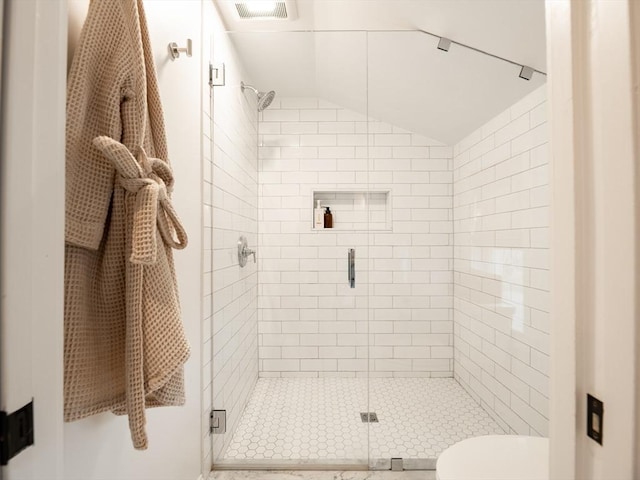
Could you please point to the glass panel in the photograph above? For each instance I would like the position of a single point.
(411, 262)
(311, 326)
(422, 102)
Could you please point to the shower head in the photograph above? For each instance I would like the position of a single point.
(264, 98)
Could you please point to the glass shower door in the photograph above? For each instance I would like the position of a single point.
(297, 397)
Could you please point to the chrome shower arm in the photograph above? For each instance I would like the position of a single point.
(244, 85)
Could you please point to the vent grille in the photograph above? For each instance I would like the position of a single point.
(279, 11)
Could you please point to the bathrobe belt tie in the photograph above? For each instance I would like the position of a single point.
(151, 181)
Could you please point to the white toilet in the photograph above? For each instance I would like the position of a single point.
(495, 457)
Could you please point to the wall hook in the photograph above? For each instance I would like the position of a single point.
(174, 50)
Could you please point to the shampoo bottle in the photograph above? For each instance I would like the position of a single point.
(318, 216)
(328, 218)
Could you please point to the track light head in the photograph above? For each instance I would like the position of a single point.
(444, 44)
(526, 72)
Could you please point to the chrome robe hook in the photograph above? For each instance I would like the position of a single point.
(174, 50)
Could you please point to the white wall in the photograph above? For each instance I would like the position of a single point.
(594, 73)
(99, 447)
(501, 277)
(231, 209)
(310, 322)
(32, 228)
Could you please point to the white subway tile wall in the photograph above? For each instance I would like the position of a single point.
(230, 174)
(311, 324)
(501, 276)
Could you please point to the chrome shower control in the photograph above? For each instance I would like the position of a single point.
(244, 251)
(351, 267)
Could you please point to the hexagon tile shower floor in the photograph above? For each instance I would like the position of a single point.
(319, 419)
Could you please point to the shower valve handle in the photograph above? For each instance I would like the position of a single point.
(244, 251)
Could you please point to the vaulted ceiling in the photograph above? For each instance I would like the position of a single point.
(394, 72)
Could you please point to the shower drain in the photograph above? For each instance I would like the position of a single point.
(369, 417)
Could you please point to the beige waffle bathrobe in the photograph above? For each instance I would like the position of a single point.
(124, 342)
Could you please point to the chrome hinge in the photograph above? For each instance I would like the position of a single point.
(216, 75)
(16, 432)
(397, 465)
(218, 421)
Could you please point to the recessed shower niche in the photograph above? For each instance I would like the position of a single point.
(356, 210)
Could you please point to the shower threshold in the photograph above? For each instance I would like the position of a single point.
(324, 465)
(311, 465)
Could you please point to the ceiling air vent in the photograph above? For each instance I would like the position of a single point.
(261, 9)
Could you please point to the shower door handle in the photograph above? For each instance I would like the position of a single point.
(351, 267)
